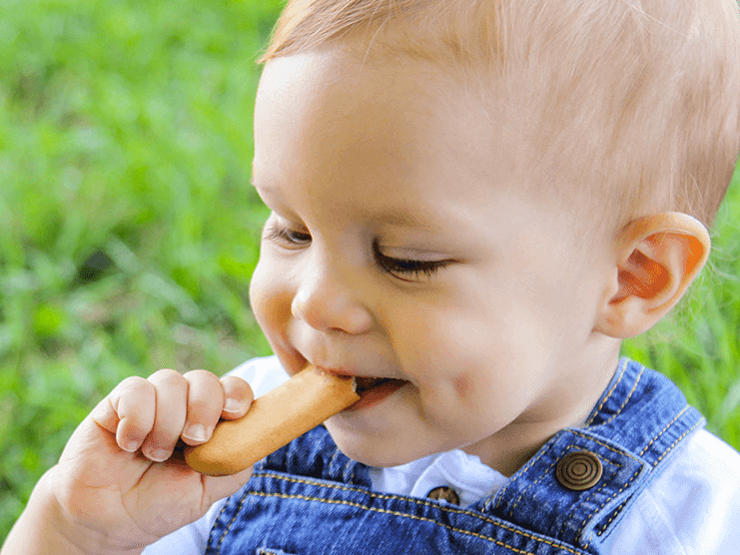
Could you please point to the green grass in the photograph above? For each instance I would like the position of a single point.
(128, 232)
(125, 136)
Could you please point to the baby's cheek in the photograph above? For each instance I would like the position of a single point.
(463, 386)
(269, 296)
(474, 395)
(259, 301)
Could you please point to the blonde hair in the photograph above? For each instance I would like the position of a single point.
(634, 103)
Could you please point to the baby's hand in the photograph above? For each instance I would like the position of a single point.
(122, 475)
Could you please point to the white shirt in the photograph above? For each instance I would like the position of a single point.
(692, 508)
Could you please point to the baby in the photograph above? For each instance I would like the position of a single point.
(475, 201)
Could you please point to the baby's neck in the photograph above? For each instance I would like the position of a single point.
(512, 446)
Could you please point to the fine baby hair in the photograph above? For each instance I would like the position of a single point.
(632, 104)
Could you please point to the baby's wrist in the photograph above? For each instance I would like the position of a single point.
(44, 528)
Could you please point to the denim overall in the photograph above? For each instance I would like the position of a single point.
(310, 499)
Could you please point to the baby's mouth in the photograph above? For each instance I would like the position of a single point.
(364, 384)
(373, 391)
(377, 385)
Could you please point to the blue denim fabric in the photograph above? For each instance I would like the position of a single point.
(310, 499)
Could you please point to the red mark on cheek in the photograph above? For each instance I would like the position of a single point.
(462, 386)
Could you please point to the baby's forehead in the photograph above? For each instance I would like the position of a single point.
(410, 118)
(393, 143)
(623, 109)
(417, 103)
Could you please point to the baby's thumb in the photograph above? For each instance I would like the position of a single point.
(219, 487)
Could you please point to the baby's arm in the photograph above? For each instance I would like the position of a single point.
(120, 484)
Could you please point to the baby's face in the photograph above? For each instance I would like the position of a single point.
(400, 246)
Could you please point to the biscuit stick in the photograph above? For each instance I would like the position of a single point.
(273, 420)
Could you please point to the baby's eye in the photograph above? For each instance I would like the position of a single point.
(286, 236)
(409, 269)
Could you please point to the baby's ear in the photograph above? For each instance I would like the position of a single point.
(657, 259)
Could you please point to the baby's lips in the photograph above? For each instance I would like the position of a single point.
(374, 391)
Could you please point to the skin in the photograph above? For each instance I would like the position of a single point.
(497, 343)
(401, 245)
(117, 488)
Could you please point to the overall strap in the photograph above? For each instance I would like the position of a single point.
(580, 484)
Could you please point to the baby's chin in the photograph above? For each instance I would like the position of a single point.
(379, 460)
(377, 452)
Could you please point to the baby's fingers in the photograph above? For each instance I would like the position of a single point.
(238, 397)
(172, 393)
(210, 399)
(128, 412)
(205, 402)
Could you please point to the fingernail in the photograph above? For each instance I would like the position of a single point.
(158, 455)
(131, 447)
(232, 405)
(196, 432)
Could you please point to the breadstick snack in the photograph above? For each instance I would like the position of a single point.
(274, 420)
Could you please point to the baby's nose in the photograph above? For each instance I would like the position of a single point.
(328, 303)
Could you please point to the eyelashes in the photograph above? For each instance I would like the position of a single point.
(403, 269)
(286, 237)
(414, 269)
(408, 268)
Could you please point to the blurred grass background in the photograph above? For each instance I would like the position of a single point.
(128, 232)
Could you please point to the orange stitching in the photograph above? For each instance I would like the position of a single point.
(663, 430)
(547, 471)
(670, 448)
(270, 474)
(607, 500)
(228, 528)
(608, 396)
(400, 498)
(590, 420)
(415, 517)
(451, 510)
(616, 513)
(591, 494)
(525, 489)
(516, 476)
(634, 387)
(574, 432)
(604, 445)
(223, 510)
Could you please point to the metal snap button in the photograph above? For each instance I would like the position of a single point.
(444, 493)
(579, 471)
